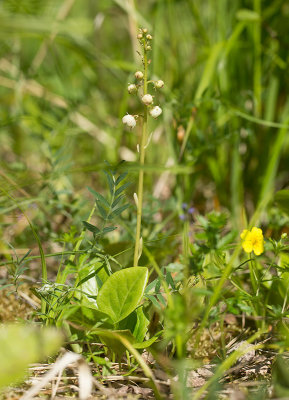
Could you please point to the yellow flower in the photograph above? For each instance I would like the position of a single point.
(253, 241)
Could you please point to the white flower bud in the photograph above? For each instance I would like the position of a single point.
(129, 120)
(135, 199)
(140, 36)
(159, 84)
(148, 48)
(149, 37)
(147, 99)
(156, 112)
(145, 30)
(138, 75)
(132, 88)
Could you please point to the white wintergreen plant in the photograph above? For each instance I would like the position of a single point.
(147, 99)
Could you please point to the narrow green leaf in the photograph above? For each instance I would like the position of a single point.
(90, 227)
(89, 276)
(268, 181)
(26, 255)
(120, 178)
(6, 286)
(122, 188)
(117, 200)
(170, 280)
(209, 70)
(110, 182)
(245, 14)
(161, 299)
(102, 211)
(118, 211)
(102, 200)
(151, 286)
(109, 229)
(92, 191)
(282, 200)
(147, 343)
(153, 300)
(158, 285)
(99, 197)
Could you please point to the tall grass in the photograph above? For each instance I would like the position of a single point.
(222, 58)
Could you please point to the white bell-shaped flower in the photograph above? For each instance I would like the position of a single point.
(138, 75)
(132, 88)
(156, 111)
(129, 120)
(147, 99)
(159, 84)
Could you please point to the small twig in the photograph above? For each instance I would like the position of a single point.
(133, 379)
(56, 385)
(28, 300)
(261, 318)
(100, 387)
(84, 342)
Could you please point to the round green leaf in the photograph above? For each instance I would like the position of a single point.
(122, 292)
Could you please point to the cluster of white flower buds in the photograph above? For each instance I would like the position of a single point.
(147, 99)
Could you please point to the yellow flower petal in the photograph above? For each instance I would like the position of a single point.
(258, 248)
(244, 233)
(257, 231)
(247, 246)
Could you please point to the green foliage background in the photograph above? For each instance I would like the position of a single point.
(221, 144)
(64, 69)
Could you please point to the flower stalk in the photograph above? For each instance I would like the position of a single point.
(130, 121)
(141, 171)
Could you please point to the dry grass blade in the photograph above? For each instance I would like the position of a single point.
(35, 89)
(84, 376)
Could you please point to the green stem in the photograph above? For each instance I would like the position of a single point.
(257, 62)
(253, 276)
(257, 310)
(141, 172)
